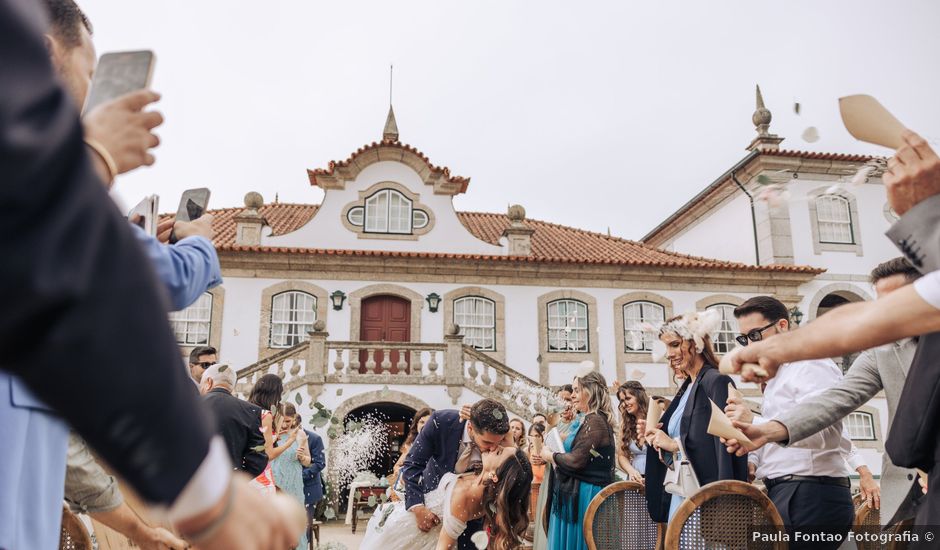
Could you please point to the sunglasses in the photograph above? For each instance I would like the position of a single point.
(206, 364)
(755, 335)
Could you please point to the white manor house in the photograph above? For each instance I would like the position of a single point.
(384, 298)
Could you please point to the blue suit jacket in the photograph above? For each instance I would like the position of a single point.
(32, 477)
(433, 454)
(313, 488)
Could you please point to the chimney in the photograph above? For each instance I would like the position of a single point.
(518, 234)
(248, 222)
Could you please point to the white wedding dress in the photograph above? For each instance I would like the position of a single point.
(399, 531)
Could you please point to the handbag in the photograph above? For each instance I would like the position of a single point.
(680, 478)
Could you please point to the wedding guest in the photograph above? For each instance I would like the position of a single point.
(631, 449)
(689, 349)
(516, 434)
(266, 394)
(534, 451)
(200, 359)
(313, 485)
(237, 421)
(586, 466)
(289, 464)
(417, 424)
(539, 418)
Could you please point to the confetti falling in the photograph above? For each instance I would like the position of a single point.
(358, 448)
(810, 135)
(774, 196)
(298, 399)
(223, 368)
(480, 539)
(796, 107)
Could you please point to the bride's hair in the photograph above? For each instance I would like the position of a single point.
(506, 503)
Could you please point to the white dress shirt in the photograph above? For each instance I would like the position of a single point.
(822, 454)
(928, 287)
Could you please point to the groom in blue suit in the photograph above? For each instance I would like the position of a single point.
(449, 444)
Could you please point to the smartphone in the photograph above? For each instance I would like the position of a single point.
(119, 73)
(149, 212)
(192, 206)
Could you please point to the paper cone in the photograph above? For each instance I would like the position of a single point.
(653, 413)
(867, 120)
(734, 392)
(720, 425)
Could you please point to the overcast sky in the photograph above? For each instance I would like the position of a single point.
(589, 114)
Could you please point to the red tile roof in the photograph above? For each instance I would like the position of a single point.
(845, 157)
(550, 243)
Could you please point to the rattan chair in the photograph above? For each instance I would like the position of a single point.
(617, 519)
(724, 515)
(74, 535)
(868, 520)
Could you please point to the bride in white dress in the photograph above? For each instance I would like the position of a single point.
(499, 495)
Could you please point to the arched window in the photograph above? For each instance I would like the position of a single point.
(723, 338)
(634, 315)
(192, 324)
(834, 220)
(388, 211)
(476, 318)
(860, 426)
(292, 316)
(567, 326)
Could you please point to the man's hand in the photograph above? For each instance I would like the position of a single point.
(164, 229)
(736, 410)
(465, 412)
(161, 539)
(253, 521)
(913, 174)
(869, 488)
(759, 434)
(124, 129)
(751, 472)
(425, 518)
(201, 227)
(755, 362)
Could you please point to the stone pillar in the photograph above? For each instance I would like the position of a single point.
(453, 363)
(317, 358)
(518, 234)
(248, 222)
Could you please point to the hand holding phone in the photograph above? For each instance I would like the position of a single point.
(192, 206)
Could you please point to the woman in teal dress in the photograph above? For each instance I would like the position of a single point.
(288, 466)
(586, 466)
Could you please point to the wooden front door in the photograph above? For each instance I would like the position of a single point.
(384, 319)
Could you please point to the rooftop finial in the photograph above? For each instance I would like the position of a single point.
(390, 133)
(762, 116)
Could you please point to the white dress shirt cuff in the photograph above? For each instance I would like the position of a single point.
(207, 486)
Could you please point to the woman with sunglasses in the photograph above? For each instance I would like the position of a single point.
(689, 349)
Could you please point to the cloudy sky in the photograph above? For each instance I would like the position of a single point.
(591, 114)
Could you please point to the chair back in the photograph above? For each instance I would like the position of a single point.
(74, 535)
(617, 519)
(724, 515)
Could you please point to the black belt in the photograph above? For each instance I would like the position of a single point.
(822, 480)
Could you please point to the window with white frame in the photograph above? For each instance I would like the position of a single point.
(860, 426)
(834, 220)
(476, 318)
(192, 324)
(723, 338)
(634, 315)
(387, 211)
(568, 326)
(292, 316)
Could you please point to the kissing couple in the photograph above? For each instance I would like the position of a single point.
(459, 480)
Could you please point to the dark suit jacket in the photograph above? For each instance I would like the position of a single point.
(433, 454)
(707, 454)
(84, 323)
(239, 423)
(313, 486)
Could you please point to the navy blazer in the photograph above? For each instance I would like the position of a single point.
(433, 454)
(708, 456)
(313, 488)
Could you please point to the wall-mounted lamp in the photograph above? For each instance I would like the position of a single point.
(338, 297)
(796, 315)
(434, 301)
